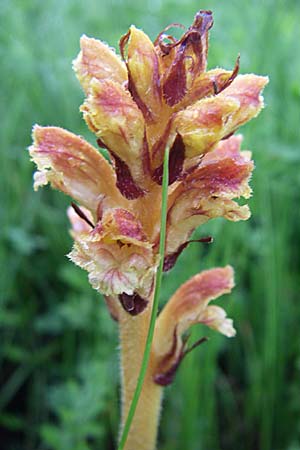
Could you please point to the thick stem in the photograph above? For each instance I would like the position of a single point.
(143, 430)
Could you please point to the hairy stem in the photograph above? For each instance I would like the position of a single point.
(143, 430)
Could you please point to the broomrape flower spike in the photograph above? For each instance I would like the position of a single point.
(154, 96)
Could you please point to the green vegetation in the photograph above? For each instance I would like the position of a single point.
(59, 356)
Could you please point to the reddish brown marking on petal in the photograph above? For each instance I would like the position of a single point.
(147, 113)
(160, 145)
(101, 144)
(211, 118)
(134, 304)
(199, 38)
(125, 183)
(142, 106)
(171, 259)
(176, 160)
(131, 86)
(226, 174)
(246, 89)
(124, 136)
(111, 102)
(62, 157)
(203, 21)
(100, 210)
(196, 38)
(175, 85)
(166, 361)
(166, 377)
(64, 160)
(208, 284)
(177, 155)
(122, 44)
(128, 225)
(158, 174)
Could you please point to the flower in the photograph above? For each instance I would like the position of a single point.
(156, 95)
(188, 306)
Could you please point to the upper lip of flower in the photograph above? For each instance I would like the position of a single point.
(136, 107)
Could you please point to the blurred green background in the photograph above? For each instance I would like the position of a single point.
(59, 348)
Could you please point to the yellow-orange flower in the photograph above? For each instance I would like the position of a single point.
(152, 96)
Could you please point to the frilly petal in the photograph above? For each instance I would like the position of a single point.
(116, 255)
(114, 270)
(188, 306)
(73, 166)
(143, 72)
(98, 60)
(114, 117)
(216, 318)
